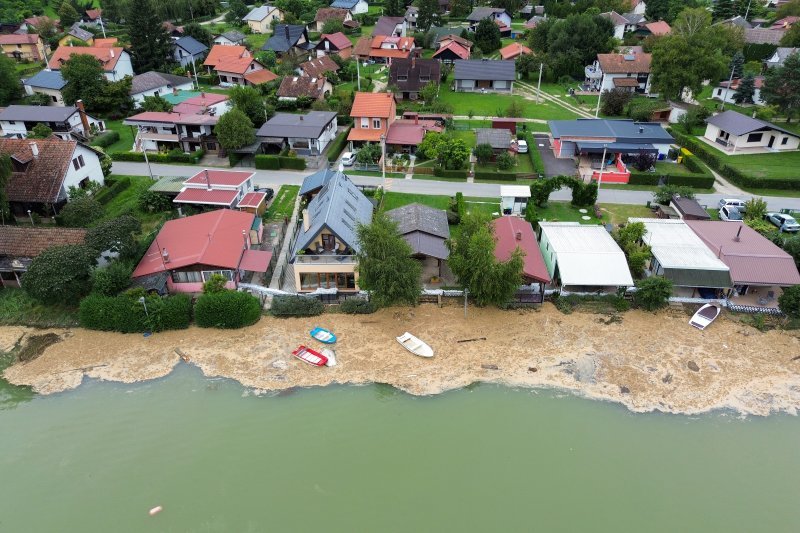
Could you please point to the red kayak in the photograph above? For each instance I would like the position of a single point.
(310, 356)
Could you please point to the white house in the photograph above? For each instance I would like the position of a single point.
(639, 7)
(17, 121)
(49, 83)
(188, 49)
(497, 14)
(354, 6)
(230, 38)
(629, 71)
(157, 84)
(731, 131)
(307, 134)
(728, 94)
(115, 60)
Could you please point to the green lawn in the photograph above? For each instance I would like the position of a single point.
(704, 98)
(126, 136)
(523, 166)
(126, 203)
(613, 213)
(256, 40)
(392, 200)
(17, 308)
(772, 165)
(468, 136)
(673, 168)
(283, 204)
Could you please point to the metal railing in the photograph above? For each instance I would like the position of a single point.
(324, 259)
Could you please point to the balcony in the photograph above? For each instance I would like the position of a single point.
(325, 259)
(151, 136)
(592, 73)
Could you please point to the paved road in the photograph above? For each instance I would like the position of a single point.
(267, 178)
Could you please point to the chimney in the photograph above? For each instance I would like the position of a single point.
(111, 52)
(208, 180)
(306, 220)
(286, 31)
(34, 149)
(84, 118)
(519, 235)
(244, 238)
(737, 238)
(641, 129)
(165, 255)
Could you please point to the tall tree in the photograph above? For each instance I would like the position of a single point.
(151, 45)
(791, 39)
(250, 102)
(789, 9)
(782, 86)
(723, 10)
(193, 29)
(472, 260)
(460, 8)
(67, 15)
(572, 43)
(668, 10)
(114, 10)
(234, 130)
(487, 36)
(746, 90)
(10, 88)
(394, 8)
(236, 11)
(385, 266)
(428, 15)
(737, 64)
(85, 81)
(61, 274)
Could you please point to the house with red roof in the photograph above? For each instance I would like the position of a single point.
(116, 62)
(334, 43)
(384, 49)
(217, 189)
(451, 52)
(513, 51)
(235, 65)
(188, 251)
(374, 119)
(629, 71)
(512, 233)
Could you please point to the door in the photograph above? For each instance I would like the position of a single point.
(328, 242)
(771, 141)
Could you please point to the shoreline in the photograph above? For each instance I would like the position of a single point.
(646, 362)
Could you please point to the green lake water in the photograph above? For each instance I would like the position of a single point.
(370, 458)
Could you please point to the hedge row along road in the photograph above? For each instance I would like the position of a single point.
(269, 178)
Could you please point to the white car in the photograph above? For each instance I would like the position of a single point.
(348, 158)
(732, 202)
(522, 146)
(729, 213)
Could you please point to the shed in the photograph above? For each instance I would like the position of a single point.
(689, 208)
(514, 199)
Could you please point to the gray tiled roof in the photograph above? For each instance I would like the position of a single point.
(233, 36)
(47, 79)
(317, 180)
(79, 33)
(308, 126)
(424, 228)
(340, 207)
(191, 45)
(284, 37)
(386, 25)
(738, 124)
(499, 139)
(480, 13)
(484, 69)
(153, 80)
(37, 113)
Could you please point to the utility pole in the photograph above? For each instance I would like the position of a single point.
(196, 81)
(602, 168)
(539, 85)
(358, 73)
(728, 88)
(102, 26)
(599, 95)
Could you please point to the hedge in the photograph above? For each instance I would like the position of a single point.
(191, 158)
(283, 306)
(274, 162)
(338, 145)
(227, 309)
(442, 173)
(109, 193)
(106, 139)
(499, 176)
(357, 306)
(125, 314)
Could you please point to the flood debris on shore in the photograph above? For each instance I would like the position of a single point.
(648, 363)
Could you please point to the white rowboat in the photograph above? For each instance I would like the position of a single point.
(705, 316)
(414, 345)
(331, 355)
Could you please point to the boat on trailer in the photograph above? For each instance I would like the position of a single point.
(310, 356)
(705, 316)
(414, 345)
(323, 335)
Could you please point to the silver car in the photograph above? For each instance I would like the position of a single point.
(730, 214)
(732, 202)
(786, 223)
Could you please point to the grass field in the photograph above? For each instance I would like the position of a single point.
(392, 200)
(772, 165)
(283, 204)
(16, 307)
(612, 213)
(126, 136)
(126, 203)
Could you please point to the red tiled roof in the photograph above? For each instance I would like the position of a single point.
(252, 199)
(44, 175)
(213, 239)
(454, 47)
(260, 76)
(625, 82)
(658, 28)
(319, 66)
(219, 52)
(229, 178)
(358, 134)
(22, 241)
(338, 39)
(618, 64)
(93, 14)
(105, 42)
(514, 50)
(513, 232)
(759, 82)
(236, 65)
(405, 134)
(378, 105)
(404, 46)
(23, 38)
(753, 259)
(220, 197)
(108, 56)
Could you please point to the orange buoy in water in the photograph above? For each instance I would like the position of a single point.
(155, 510)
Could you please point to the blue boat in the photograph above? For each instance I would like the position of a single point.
(323, 335)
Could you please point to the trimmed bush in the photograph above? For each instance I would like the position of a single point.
(191, 158)
(267, 162)
(283, 306)
(500, 176)
(125, 314)
(456, 174)
(106, 139)
(227, 309)
(295, 163)
(653, 178)
(338, 145)
(357, 306)
(109, 193)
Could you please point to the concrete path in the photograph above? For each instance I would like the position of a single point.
(529, 92)
(725, 187)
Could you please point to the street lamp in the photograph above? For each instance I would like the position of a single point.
(602, 168)
(383, 160)
(142, 301)
(30, 216)
(144, 151)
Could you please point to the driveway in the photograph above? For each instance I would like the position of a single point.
(552, 165)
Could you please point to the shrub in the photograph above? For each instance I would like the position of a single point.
(111, 280)
(338, 145)
(499, 176)
(664, 194)
(789, 302)
(755, 209)
(227, 309)
(652, 293)
(109, 193)
(283, 306)
(483, 153)
(215, 284)
(126, 314)
(61, 274)
(81, 212)
(357, 306)
(153, 202)
(106, 139)
(175, 156)
(454, 174)
(273, 162)
(505, 161)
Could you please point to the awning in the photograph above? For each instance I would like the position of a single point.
(625, 82)
(255, 260)
(615, 148)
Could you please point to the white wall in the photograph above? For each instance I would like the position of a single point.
(607, 82)
(16, 130)
(91, 169)
(361, 7)
(124, 68)
(728, 95)
(50, 93)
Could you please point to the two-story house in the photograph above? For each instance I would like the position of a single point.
(230, 38)
(216, 188)
(334, 43)
(372, 114)
(384, 49)
(116, 62)
(307, 135)
(323, 253)
(353, 6)
(411, 16)
(187, 50)
(498, 15)
(390, 26)
(289, 40)
(43, 170)
(629, 71)
(24, 47)
(49, 83)
(260, 19)
(411, 75)
(17, 121)
(324, 14)
(235, 65)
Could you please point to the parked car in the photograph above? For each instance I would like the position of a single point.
(732, 202)
(522, 146)
(784, 222)
(729, 213)
(269, 194)
(348, 159)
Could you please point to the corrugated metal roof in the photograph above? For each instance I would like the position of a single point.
(619, 130)
(485, 69)
(219, 197)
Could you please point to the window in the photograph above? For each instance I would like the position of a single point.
(754, 137)
(12, 122)
(784, 140)
(364, 123)
(327, 280)
(376, 123)
(719, 92)
(80, 160)
(227, 274)
(75, 164)
(186, 277)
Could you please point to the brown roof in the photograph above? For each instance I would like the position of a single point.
(513, 50)
(93, 14)
(624, 63)
(317, 67)
(625, 82)
(363, 46)
(658, 28)
(417, 73)
(296, 86)
(23, 38)
(41, 180)
(221, 52)
(325, 14)
(257, 77)
(763, 36)
(338, 39)
(22, 241)
(753, 259)
(455, 38)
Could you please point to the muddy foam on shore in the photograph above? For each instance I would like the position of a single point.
(647, 362)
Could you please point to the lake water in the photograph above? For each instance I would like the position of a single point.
(370, 458)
